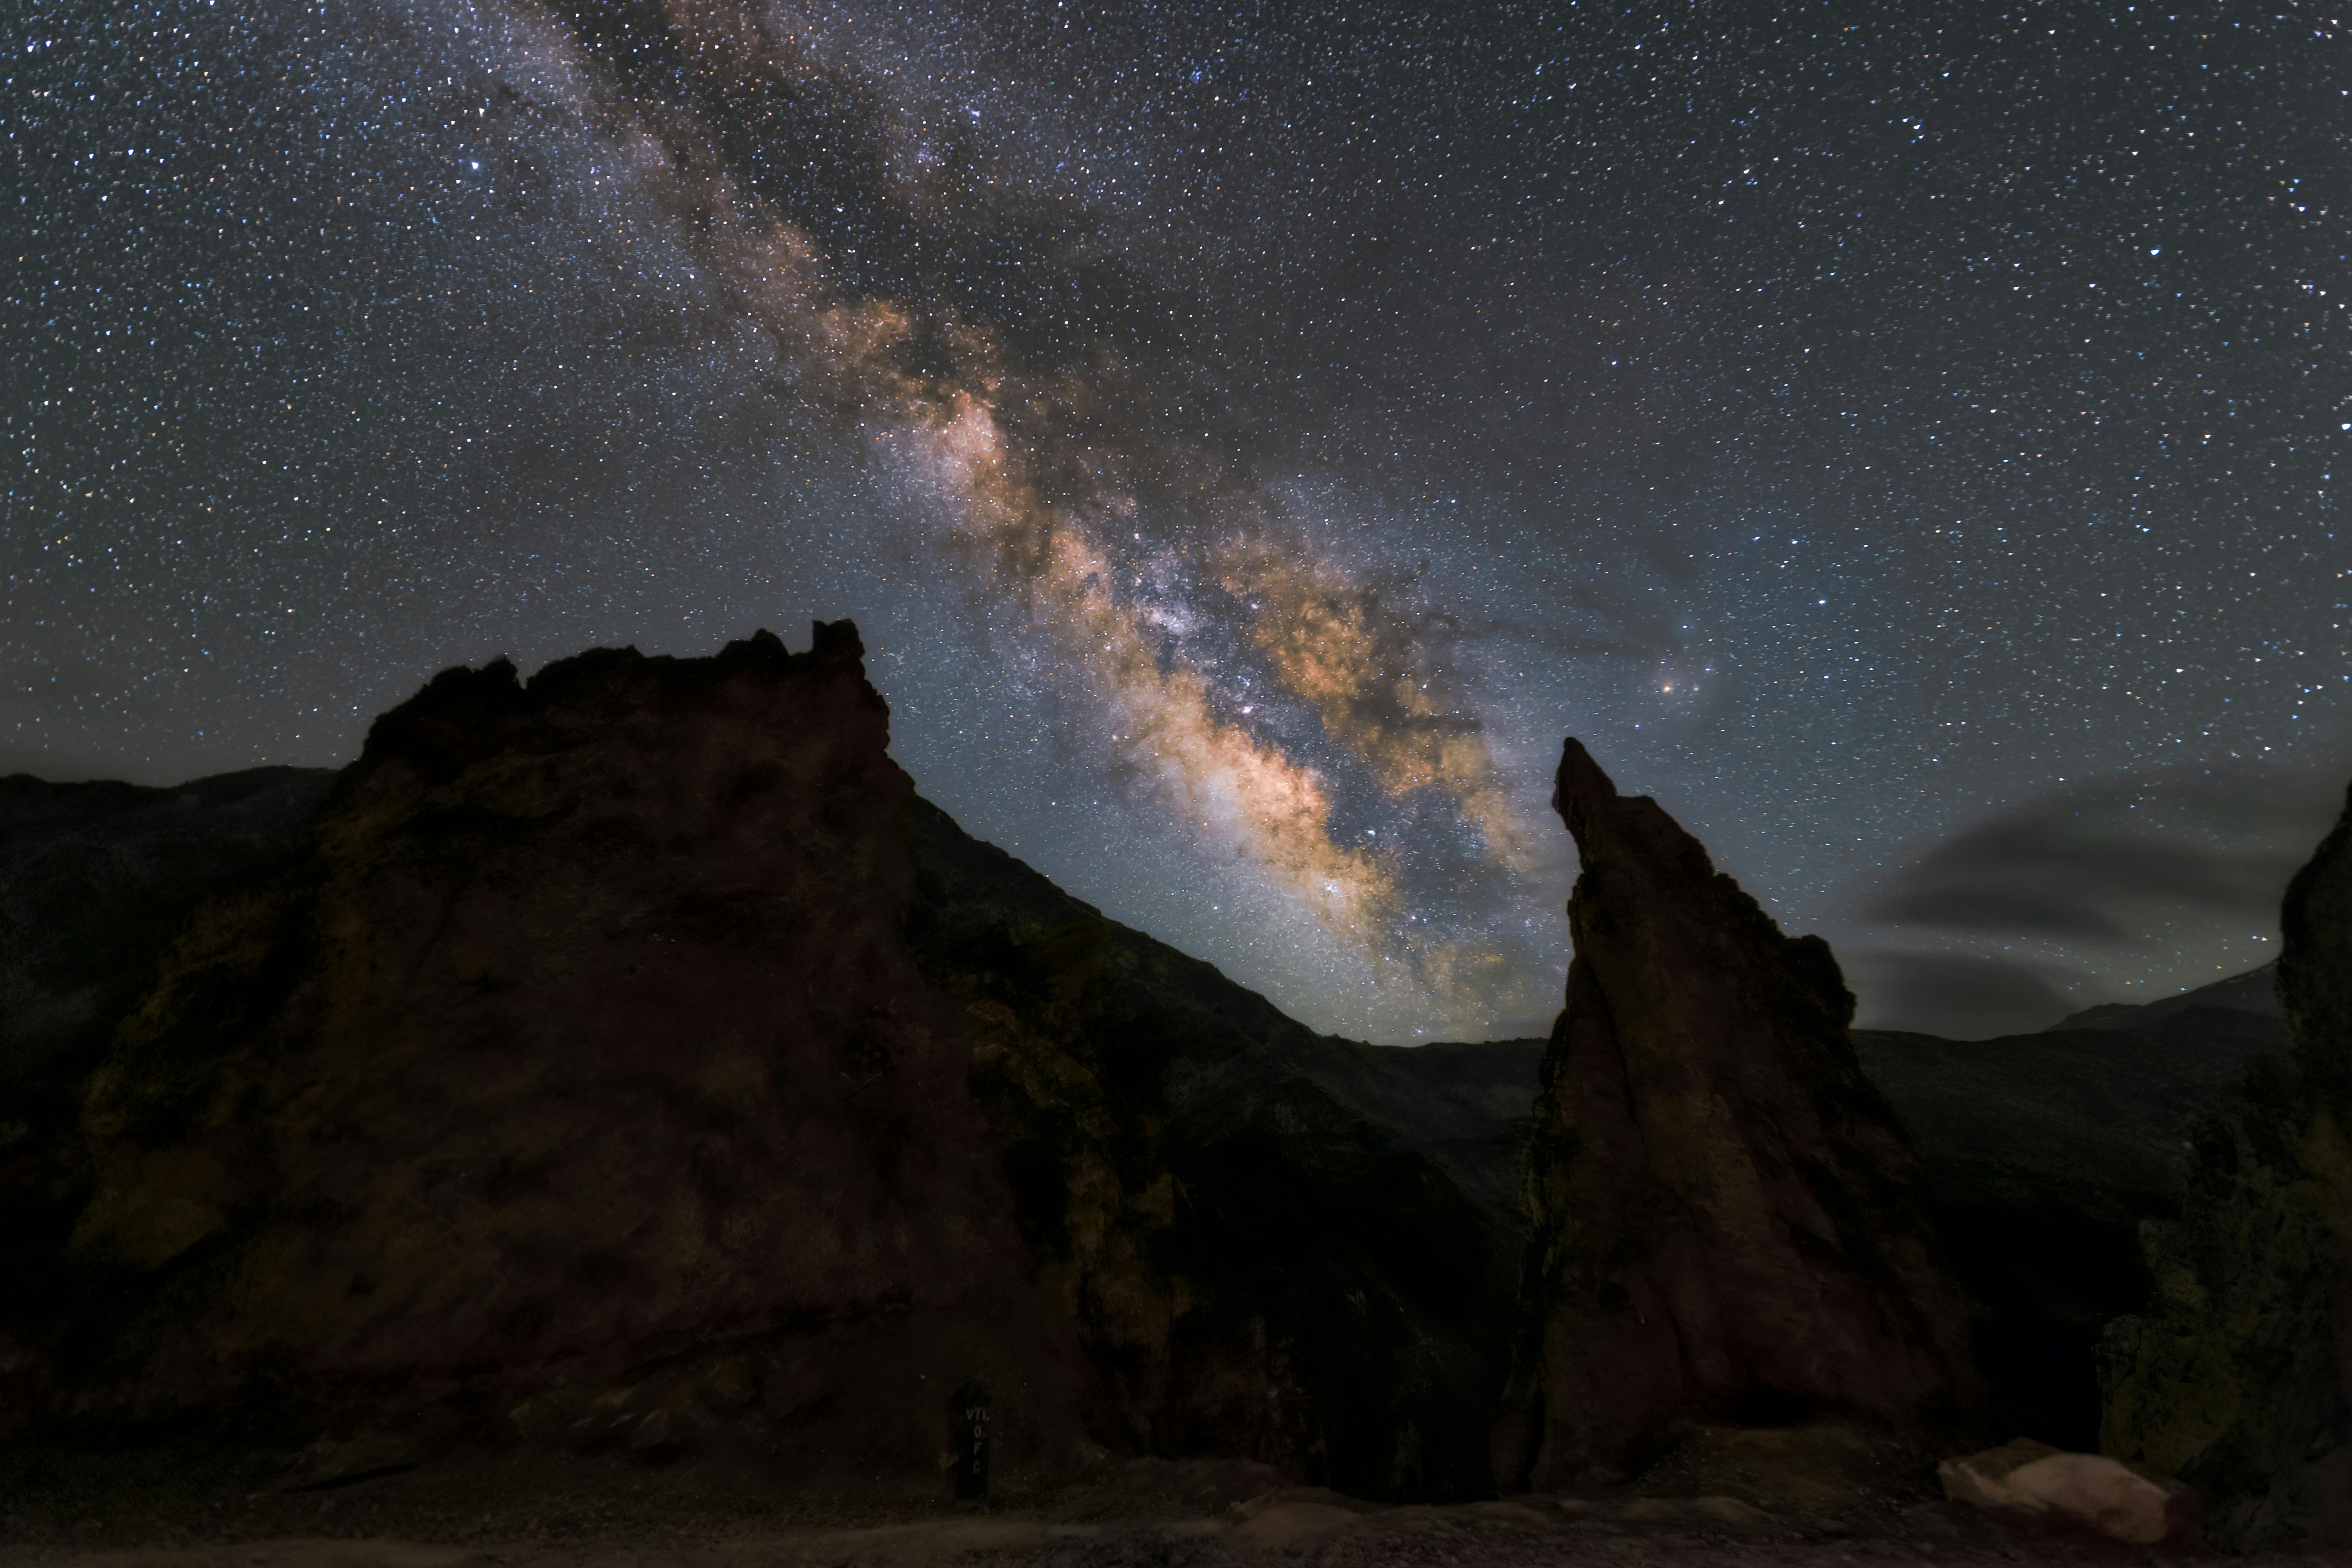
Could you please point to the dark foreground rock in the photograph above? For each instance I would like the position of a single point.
(2238, 1375)
(582, 1038)
(630, 1062)
(1728, 1222)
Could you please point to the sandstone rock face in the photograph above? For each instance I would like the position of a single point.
(631, 1061)
(2238, 1375)
(584, 1036)
(1728, 1222)
(2032, 1484)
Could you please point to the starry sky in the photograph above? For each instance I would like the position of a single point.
(1250, 435)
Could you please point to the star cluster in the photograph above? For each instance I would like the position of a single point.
(1250, 435)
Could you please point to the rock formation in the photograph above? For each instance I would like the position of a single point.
(583, 1037)
(632, 1059)
(1728, 1222)
(2238, 1376)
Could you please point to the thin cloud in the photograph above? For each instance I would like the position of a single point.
(1957, 995)
(2124, 888)
(2109, 861)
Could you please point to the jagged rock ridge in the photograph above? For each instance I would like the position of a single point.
(630, 1056)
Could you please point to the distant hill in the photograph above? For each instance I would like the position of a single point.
(2045, 1151)
(2236, 1003)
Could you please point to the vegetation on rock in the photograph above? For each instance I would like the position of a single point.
(2238, 1375)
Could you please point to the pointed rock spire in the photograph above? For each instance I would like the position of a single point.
(1729, 1223)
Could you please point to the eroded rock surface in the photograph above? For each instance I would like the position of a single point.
(95, 879)
(584, 1038)
(1727, 1220)
(630, 1061)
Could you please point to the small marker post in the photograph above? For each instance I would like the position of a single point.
(968, 1418)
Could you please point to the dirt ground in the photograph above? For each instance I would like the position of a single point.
(1420, 1538)
(516, 1510)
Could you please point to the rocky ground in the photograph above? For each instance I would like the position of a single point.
(516, 1510)
(1437, 1538)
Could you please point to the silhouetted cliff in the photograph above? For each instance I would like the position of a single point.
(631, 1058)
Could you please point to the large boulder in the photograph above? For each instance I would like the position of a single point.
(2236, 1377)
(2040, 1489)
(630, 1059)
(1729, 1223)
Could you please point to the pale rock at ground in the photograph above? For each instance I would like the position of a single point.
(2032, 1483)
(1281, 1521)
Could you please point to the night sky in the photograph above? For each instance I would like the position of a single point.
(1900, 438)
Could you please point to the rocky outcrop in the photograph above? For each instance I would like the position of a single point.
(2238, 1375)
(1727, 1221)
(584, 1038)
(630, 1059)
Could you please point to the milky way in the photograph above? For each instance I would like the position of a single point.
(1250, 439)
